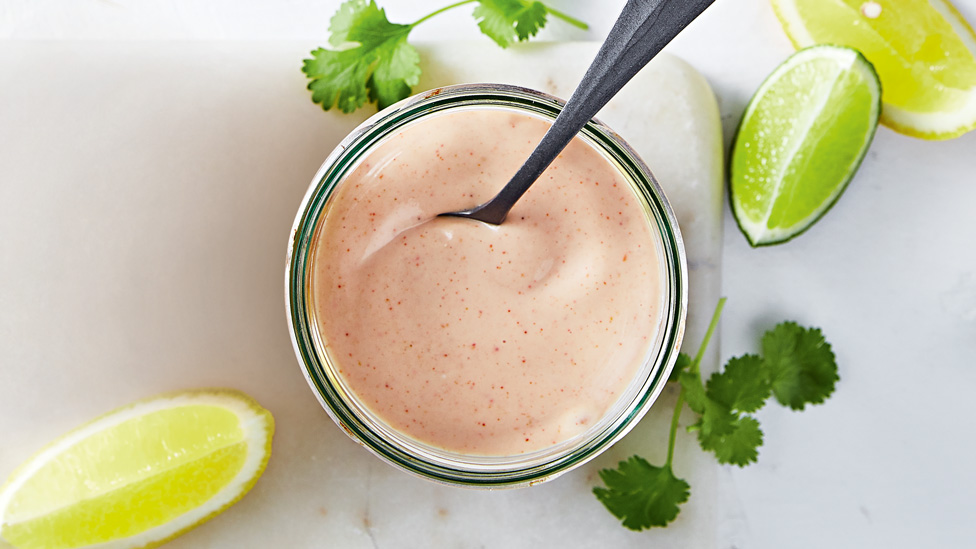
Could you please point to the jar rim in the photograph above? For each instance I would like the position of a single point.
(382, 440)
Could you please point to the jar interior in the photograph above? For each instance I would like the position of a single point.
(429, 461)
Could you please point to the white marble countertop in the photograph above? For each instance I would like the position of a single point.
(889, 274)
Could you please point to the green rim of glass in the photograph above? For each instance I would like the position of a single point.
(302, 325)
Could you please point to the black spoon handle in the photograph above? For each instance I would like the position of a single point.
(641, 32)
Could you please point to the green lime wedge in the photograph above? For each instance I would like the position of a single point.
(800, 141)
(139, 475)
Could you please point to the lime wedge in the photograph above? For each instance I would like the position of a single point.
(139, 475)
(800, 141)
(924, 51)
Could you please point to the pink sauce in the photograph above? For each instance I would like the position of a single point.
(477, 339)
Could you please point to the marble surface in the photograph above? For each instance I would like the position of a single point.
(144, 226)
(889, 273)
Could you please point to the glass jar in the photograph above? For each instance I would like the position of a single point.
(416, 457)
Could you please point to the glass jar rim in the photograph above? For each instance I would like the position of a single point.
(382, 440)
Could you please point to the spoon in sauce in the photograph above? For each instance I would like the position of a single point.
(641, 32)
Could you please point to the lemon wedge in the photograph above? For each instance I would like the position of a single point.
(923, 50)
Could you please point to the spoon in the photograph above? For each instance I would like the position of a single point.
(642, 30)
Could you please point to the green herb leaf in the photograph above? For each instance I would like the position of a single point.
(736, 443)
(733, 438)
(680, 365)
(694, 391)
(715, 421)
(798, 367)
(508, 21)
(743, 384)
(801, 365)
(370, 59)
(642, 495)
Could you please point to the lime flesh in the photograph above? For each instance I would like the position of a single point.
(800, 141)
(139, 475)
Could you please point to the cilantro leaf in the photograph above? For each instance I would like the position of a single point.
(734, 439)
(680, 365)
(798, 367)
(716, 418)
(694, 391)
(743, 385)
(715, 421)
(508, 21)
(642, 495)
(370, 59)
(395, 75)
(338, 78)
(737, 444)
(801, 365)
(348, 17)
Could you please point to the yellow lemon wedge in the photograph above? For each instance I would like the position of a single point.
(139, 475)
(923, 50)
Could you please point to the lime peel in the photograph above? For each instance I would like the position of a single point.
(801, 139)
(230, 456)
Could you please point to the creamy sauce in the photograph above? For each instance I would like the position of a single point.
(479, 339)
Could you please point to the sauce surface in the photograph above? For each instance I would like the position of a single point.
(479, 339)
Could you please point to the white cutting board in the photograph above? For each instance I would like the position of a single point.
(146, 195)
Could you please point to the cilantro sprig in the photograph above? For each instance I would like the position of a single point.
(797, 367)
(369, 58)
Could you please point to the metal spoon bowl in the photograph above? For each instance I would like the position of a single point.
(641, 32)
